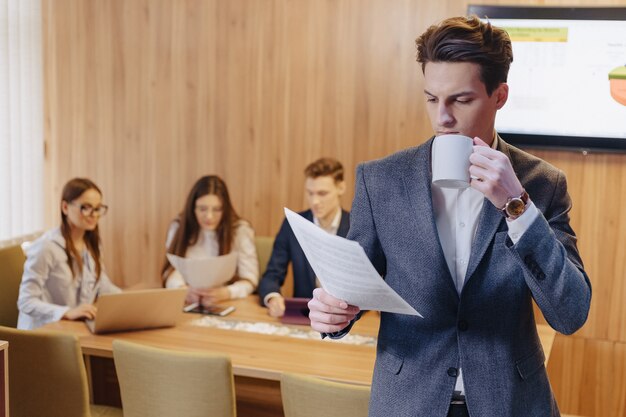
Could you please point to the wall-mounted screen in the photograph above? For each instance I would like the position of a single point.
(567, 83)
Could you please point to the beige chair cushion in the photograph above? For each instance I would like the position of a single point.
(305, 396)
(11, 268)
(264, 246)
(163, 383)
(47, 376)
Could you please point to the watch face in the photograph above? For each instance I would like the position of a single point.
(515, 207)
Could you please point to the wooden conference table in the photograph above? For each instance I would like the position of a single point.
(258, 359)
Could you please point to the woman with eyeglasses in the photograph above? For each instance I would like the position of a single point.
(209, 226)
(63, 272)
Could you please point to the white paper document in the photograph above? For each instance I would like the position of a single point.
(205, 272)
(344, 270)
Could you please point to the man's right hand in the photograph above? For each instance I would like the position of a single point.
(329, 314)
(276, 306)
(83, 311)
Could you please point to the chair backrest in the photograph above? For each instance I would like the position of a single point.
(305, 396)
(264, 246)
(162, 383)
(47, 376)
(11, 268)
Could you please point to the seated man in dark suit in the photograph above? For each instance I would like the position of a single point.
(324, 187)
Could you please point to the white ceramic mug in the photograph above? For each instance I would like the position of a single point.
(450, 161)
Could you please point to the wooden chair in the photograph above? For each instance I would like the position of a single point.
(11, 268)
(305, 396)
(47, 376)
(264, 246)
(163, 383)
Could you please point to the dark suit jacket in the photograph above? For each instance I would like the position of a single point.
(489, 330)
(287, 249)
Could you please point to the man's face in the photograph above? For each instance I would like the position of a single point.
(324, 196)
(457, 100)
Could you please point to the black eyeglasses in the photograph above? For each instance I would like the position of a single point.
(87, 209)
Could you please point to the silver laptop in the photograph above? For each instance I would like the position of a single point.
(135, 310)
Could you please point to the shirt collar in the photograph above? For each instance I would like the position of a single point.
(334, 225)
(56, 236)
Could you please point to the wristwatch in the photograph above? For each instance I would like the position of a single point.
(515, 206)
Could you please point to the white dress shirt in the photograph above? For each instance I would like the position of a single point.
(208, 246)
(333, 227)
(456, 215)
(48, 289)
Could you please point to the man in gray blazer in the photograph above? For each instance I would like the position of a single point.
(471, 260)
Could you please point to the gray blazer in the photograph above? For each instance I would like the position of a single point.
(489, 330)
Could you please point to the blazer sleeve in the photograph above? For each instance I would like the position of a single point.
(552, 267)
(39, 262)
(276, 272)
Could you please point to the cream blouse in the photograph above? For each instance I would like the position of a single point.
(208, 246)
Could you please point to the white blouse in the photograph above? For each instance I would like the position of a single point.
(48, 289)
(208, 246)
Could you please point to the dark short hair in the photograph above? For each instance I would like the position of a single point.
(468, 39)
(325, 167)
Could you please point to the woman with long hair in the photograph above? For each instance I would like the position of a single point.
(63, 272)
(209, 226)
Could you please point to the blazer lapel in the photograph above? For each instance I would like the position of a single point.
(344, 224)
(488, 224)
(417, 182)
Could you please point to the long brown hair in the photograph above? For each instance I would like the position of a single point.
(188, 228)
(71, 191)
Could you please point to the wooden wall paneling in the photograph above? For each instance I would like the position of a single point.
(163, 92)
(595, 371)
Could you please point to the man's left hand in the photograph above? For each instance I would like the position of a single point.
(492, 174)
